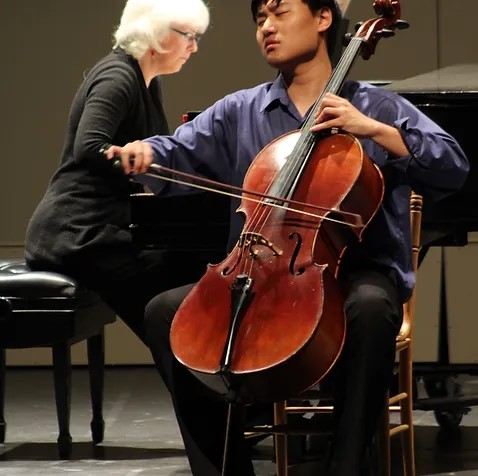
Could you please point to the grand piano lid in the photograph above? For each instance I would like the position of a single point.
(455, 80)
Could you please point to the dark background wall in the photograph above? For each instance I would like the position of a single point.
(48, 45)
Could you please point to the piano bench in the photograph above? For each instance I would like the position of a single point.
(45, 309)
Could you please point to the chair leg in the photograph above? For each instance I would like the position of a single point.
(3, 424)
(96, 368)
(280, 439)
(406, 412)
(62, 379)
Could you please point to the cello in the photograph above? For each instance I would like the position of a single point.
(268, 321)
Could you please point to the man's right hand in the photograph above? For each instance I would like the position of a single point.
(136, 157)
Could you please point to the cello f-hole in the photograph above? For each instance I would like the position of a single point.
(295, 253)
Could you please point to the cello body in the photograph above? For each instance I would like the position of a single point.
(292, 328)
(268, 322)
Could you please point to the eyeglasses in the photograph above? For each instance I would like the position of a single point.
(189, 36)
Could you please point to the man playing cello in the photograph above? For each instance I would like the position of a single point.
(376, 274)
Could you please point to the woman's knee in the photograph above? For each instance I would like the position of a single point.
(160, 311)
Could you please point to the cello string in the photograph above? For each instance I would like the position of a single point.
(256, 216)
(298, 159)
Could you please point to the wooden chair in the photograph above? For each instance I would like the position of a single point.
(402, 402)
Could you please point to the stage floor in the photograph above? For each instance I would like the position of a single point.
(142, 437)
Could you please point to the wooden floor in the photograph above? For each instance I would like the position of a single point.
(142, 438)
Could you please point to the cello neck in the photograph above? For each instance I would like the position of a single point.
(363, 42)
(285, 182)
(335, 82)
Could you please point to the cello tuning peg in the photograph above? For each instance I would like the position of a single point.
(346, 39)
(386, 33)
(358, 25)
(401, 24)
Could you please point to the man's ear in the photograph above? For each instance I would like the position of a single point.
(324, 19)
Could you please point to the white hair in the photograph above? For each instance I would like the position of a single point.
(144, 23)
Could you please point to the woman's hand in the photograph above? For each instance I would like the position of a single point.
(136, 157)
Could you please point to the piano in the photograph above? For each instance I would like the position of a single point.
(180, 224)
(450, 97)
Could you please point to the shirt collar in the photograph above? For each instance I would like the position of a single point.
(277, 92)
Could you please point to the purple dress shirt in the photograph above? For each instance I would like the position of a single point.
(223, 140)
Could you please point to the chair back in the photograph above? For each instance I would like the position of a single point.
(416, 205)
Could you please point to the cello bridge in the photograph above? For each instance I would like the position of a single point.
(253, 240)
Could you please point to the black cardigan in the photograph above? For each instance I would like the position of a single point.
(87, 201)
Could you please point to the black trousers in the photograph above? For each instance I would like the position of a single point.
(361, 377)
(128, 277)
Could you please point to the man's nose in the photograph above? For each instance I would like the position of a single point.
(268, 27)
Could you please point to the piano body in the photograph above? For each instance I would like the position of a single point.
(180, 224)
(450, 97)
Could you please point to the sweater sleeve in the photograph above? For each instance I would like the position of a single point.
(109, 96)
(203, 146)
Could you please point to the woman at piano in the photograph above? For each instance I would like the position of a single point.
(81, 226)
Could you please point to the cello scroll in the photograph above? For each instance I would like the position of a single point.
(371, 31)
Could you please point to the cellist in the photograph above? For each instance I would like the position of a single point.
(294, 36)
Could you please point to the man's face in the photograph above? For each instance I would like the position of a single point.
(288, 32)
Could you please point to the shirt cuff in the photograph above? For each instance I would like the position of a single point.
(411, 142)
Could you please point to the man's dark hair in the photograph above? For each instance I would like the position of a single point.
(314, 7)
